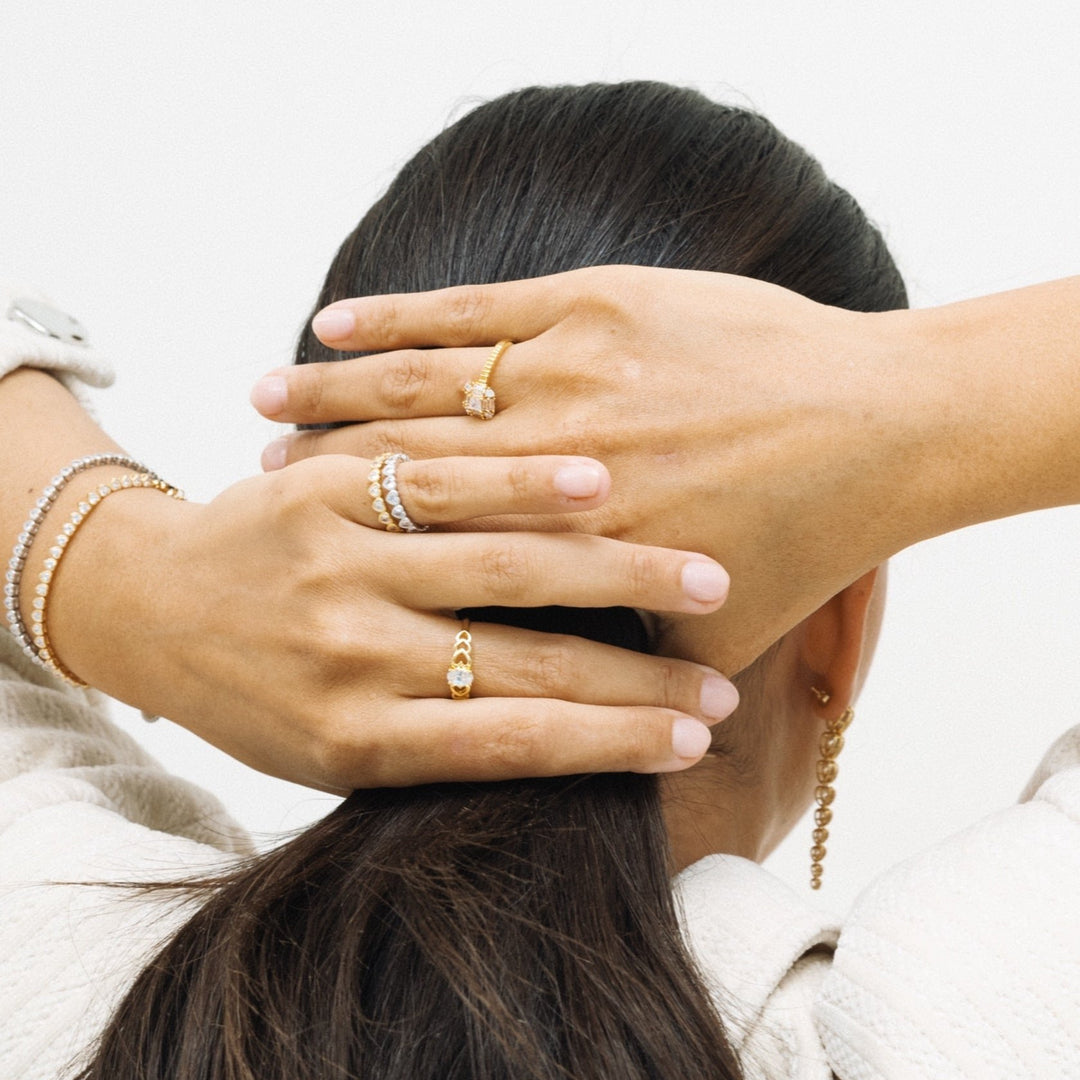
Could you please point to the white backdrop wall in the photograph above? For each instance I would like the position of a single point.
(180, 174)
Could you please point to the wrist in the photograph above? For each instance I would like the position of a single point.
(105, 602)
(1004, 391)
(888, 420)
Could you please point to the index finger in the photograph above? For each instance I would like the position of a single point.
(458, 316)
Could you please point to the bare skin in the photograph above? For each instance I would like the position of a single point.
(267, 623)
(893, 459)
(747, 793)
(805, 444)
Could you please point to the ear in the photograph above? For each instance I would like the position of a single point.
(834, 639)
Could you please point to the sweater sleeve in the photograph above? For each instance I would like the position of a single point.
(81, 802)
(964, 961)
(22, 346)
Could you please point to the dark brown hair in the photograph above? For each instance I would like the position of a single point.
(526, 929)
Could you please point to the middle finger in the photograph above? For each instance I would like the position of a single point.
(539, 569)
(512, 662)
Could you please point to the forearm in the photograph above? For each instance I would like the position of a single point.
(995, 385)
(45, 428)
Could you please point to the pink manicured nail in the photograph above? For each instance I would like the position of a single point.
(269, 394)
(273, 456)
(705, 582)
(578, 481)
(333, 324)
(689, 738)
(718, 697)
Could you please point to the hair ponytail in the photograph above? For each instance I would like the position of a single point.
(522, 930)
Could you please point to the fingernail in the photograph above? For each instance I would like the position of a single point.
(689, 738)
(705, 582)
(269, 394)
(333, 324)
(273, 456)
(578, 481)
(718, 697)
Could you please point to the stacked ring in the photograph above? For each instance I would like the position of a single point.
(385, 497)
(479, 400)
(459, 675)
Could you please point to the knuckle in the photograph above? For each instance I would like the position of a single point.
(646, 740)
(307, 389)
(289, 497)
(550, 668)
(505, 573)
(346, 759)
(672, 684)
(391, 436)
(431, 490)
(328, 648)
(403, 382)
(385, 323)
(515, 744)
(330, 748)
(464, 312)
(641, 571)
(519, 479)
(602, 297)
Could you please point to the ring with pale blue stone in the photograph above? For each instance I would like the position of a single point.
(385, 497)
(459, 675)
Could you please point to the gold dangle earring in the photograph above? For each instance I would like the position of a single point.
(832, 742)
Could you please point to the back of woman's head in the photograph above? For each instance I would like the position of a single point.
(554, 178)
(523, 929)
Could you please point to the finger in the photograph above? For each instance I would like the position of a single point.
(509, 662)
(449, 490)
(461, 315)
(427, 741)
(539, 569)
(426, 437)
(412, 382)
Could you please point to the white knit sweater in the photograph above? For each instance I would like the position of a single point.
(963, 962)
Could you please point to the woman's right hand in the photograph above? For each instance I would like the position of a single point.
(282, 624)
(737, 418)
(800, 445)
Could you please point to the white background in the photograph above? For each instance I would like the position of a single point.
(180, 174)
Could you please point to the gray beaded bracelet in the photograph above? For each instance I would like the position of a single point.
(19, 553)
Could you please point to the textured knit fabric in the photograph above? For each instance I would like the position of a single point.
(20, 346)
(79, 801)
(962, 962)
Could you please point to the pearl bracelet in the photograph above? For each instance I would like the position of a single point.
(21, 551)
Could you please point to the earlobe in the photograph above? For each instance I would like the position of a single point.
(833, 642)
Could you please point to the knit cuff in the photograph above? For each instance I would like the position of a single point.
(32, 334)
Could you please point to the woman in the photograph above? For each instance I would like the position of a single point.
(530, 931)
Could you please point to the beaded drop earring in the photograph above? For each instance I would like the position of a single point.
(830, 745)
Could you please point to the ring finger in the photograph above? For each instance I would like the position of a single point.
(450, 490)
(509, 662)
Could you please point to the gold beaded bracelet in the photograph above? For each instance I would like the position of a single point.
(38, 616)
